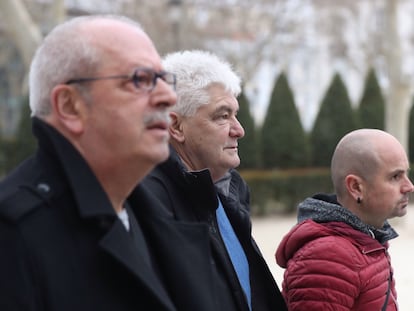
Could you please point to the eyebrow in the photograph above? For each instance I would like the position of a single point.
(225, 108)
(398, 171)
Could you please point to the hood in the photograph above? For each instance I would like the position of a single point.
(322, 216)
(323, 208)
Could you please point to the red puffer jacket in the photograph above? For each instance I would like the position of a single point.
(331, 266)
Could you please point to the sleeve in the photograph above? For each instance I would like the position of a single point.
(322, 275)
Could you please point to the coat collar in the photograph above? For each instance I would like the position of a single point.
(190, 183)
(79, 176)
(93, 203)
(118, 244)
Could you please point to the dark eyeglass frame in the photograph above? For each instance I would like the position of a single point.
(136, 78)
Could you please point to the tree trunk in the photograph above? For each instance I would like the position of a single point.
(21, 29)
(399, 93)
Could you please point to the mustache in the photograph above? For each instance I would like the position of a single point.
(157, 117)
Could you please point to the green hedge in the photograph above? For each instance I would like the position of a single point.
(8, 149)
(280, 191)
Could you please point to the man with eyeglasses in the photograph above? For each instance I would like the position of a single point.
(68, 239)
(200, 187)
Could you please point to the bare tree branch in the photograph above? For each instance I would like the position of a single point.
(21, 29)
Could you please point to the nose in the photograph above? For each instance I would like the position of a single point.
(163, 94)
(409, 187)
(236, 129)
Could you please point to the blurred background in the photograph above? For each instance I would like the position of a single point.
(312, 70)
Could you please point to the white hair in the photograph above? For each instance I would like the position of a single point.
(196, 71)
(66, 52)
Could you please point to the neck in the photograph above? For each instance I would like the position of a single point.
(118, 180)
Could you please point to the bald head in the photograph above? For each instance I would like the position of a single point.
(370, 175)
(361, 153)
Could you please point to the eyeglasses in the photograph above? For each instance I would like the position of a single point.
(143, 78)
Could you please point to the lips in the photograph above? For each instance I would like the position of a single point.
(405, 202)
(161, 125)
(231, 147)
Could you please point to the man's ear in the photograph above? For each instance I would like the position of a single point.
(354, 186)
(176, 127)
(69, 107)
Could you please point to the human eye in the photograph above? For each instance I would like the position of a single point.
(221, 117)
(143, 79)
(222, 114)
(225, 115)
(397, 176)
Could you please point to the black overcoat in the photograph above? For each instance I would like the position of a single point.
(191, 197)
(62, 247)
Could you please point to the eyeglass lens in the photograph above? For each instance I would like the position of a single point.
(147, 78)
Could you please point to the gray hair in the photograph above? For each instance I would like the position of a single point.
(66, 52)
(196, 71)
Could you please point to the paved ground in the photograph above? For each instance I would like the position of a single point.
(269, 231)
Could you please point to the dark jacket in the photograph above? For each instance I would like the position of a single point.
(334, 261)
(191, 197)
(62, 247)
